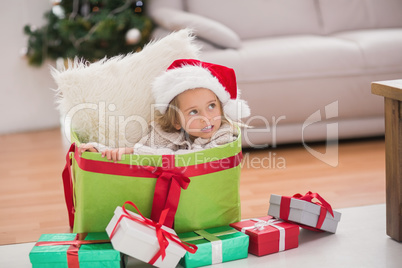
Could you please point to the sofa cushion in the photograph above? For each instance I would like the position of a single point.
(207, 29)
(290, 58)
(381, 48)
(346, 15)
(385, 13)
(256, 18)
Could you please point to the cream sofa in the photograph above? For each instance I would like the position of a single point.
(304, 66)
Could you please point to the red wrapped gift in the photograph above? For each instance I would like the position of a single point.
(268, 235)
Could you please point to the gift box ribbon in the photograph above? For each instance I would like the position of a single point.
(68, 186)
(324, 207)
(216, 243)
(170, 179)
(261, 224)
(161, 234)
(167, 189)
(72, 251)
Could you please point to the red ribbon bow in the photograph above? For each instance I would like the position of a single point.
(72, 251)
(167, 192)
(325, 206)
(161, 234)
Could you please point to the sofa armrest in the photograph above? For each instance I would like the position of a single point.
(204, 28)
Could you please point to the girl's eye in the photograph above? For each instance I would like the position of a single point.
(212, 105)
(193, 112)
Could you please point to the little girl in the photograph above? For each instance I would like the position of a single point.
(195, 102)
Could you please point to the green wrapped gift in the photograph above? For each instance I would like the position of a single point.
(215, 245)
(97, 186)
(75, 250)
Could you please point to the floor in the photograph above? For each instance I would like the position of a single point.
(360, 241)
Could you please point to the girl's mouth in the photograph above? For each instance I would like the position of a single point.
(208, 128)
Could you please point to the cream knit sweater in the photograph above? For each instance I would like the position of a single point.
(159, 142)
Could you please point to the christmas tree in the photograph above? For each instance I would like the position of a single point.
(89, 29)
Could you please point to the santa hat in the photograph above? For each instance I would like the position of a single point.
(185, 74)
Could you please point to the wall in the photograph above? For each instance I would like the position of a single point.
(27, 101)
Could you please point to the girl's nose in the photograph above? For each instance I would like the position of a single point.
(203, 117)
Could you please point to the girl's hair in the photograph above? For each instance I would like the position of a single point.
(171, 117)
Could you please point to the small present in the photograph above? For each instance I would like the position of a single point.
(144, 239)
(215, 245)
(75, 250)
(300, 209)
(268, 235)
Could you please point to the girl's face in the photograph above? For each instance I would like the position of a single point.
(199, 112)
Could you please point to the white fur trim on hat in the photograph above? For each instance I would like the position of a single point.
(236, 109)
(177, 80)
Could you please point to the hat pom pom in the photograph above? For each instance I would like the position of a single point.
(236, 109)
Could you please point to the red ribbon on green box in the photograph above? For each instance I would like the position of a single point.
(167, 189)
(72, 251)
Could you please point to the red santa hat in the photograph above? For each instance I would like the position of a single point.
(185, 74)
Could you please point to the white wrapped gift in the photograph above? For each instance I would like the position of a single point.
(140, 241)
(305, 213)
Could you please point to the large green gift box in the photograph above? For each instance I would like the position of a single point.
(204, 186)
(75, 250)
(215, 245)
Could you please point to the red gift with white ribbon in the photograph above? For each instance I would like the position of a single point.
(268, 235)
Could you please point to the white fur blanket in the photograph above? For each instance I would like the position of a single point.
(110, 101)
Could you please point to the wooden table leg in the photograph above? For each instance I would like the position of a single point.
(393, 143)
